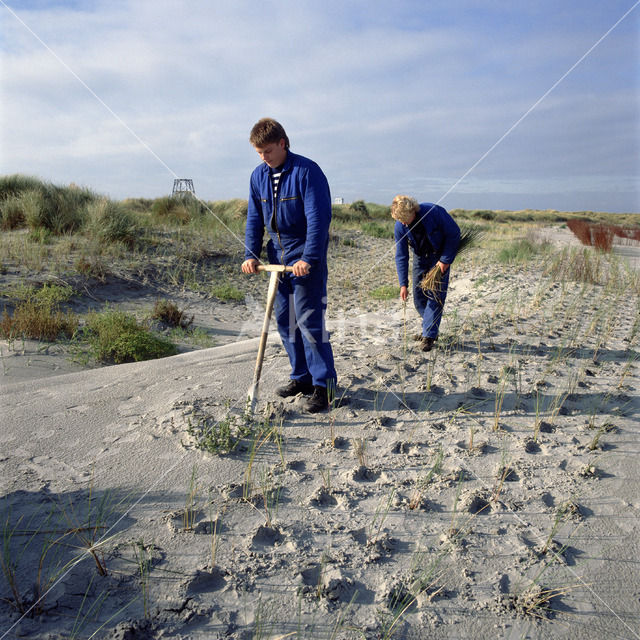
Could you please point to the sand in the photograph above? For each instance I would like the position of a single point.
(487, 489)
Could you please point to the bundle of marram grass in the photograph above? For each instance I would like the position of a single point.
(432, 280)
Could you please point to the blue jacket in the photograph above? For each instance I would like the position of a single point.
(303, 213)
(442, 233)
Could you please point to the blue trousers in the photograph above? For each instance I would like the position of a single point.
(428, 305)
(300, 307)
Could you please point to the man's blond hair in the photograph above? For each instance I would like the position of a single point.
(404, 208)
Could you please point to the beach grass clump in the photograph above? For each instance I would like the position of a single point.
(44, 536)
(16, 209)
(170, 314)
(229, 210)
(536, 601)
(174, 211)
(117, 337)
(37, 314)
(40, 205)
(359, 212)
(62, 209)
(111, 221)
(520, 251)
(578, 265)
(432, 280)
(378, 229)
(13, 185)
(27, 595)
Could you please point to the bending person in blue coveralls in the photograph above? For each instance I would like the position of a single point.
(434, 236)
(289, 196)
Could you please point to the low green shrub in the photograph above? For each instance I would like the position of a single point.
(484, 215)
(117, 337)
(355, 214)
(385, 292)
(378, 230)
(37, 314)
(360, 208)
(227, 292)
(40, 235)
(52, 295)
(30, 320)
(379, 211)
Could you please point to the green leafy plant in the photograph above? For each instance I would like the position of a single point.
(115, 336)
(219, 436)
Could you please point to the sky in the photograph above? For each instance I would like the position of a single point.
(474, 104)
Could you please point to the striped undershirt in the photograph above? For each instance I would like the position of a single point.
(275, 180)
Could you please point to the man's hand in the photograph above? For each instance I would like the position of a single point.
(301, 268)
(404, 293)
(250, 266)
(443, 266)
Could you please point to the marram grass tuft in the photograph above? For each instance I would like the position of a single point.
(432, 280)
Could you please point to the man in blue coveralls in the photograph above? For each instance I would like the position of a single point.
(434, 236)
(289, 196)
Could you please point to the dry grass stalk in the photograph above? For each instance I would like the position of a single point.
(432, 280)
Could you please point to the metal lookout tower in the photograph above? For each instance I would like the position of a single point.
(182, 187)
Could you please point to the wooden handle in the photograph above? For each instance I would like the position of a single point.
(279, 268)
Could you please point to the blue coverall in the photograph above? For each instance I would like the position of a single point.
(437, 239)
(297, 222)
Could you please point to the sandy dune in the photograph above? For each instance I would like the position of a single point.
(487, 489)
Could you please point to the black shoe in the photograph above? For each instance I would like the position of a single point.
(319, 401)
(294, 388)
(426, 344)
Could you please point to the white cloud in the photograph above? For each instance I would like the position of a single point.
(381, 94)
